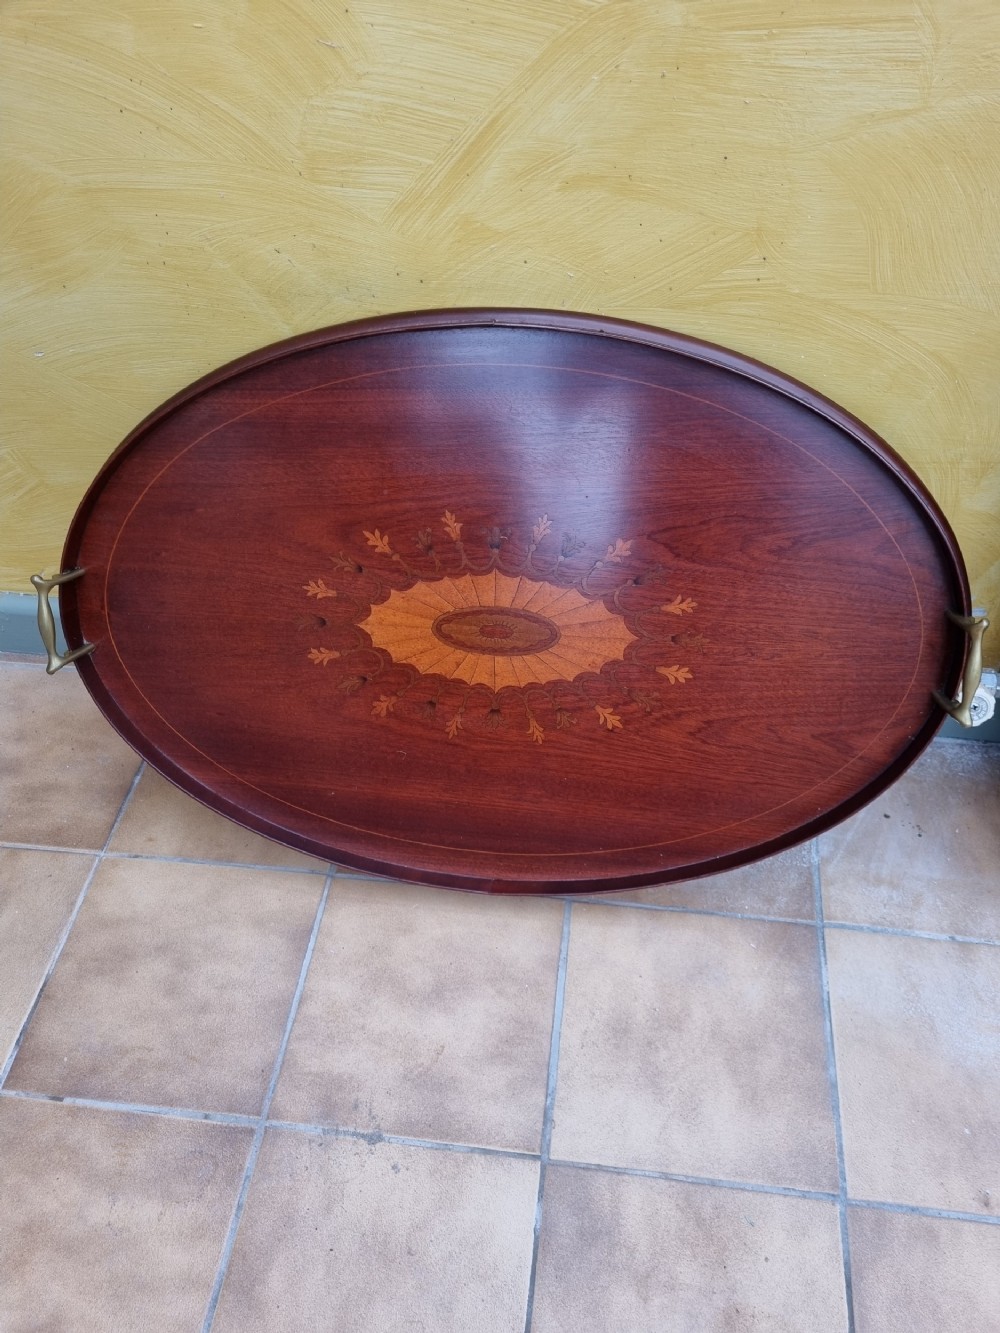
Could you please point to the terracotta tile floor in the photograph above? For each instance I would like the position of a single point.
(241, 1092)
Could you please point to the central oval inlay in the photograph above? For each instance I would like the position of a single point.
(502, 631)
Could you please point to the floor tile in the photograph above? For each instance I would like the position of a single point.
(63, 771)
(913, 1274)
(162, 820)
(926, 855)
(37, 894)
(918, 1059)
(380, 1237)
(173, 987)
(111, 1221)
(629, 1253)
(428, 1014)
(695, 1045)
(780, 886)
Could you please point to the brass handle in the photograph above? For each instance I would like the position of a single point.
(47, 624)
(975, 627)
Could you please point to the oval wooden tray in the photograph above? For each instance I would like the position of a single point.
(516, 601)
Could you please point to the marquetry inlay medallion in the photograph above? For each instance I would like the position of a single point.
(491, 631)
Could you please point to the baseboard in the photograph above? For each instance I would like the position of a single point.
(19, 623)
(19, 635)
(987, 731)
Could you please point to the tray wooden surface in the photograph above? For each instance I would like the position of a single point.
(517, 601)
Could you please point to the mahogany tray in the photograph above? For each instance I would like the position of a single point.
(515, 601)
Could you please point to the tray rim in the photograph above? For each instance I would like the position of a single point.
(532, 319)
(559, 321)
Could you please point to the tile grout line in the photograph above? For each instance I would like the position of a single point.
(916, 1210)
(47, 847)
(372, 1138)
(70, 922)
(786, 1191)
(261, 1120)
(834, 1085)
(692, 911)
(862, 927)
(677, 1178)
(932, 935)
(135, 1108)
(545, 1144)
(322, 869)
(478, 1150)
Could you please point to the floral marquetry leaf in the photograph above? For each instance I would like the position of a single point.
(452, 526)
(321, 656)
(379, 541)
(617, 553)
(677, 675)
(318, 589)
(646, 701)
(609, 718)
(383, 706)
(680, 606)
(340, 561)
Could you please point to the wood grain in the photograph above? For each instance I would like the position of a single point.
(515, 601)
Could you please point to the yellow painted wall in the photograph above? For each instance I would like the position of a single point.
(812, 182)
